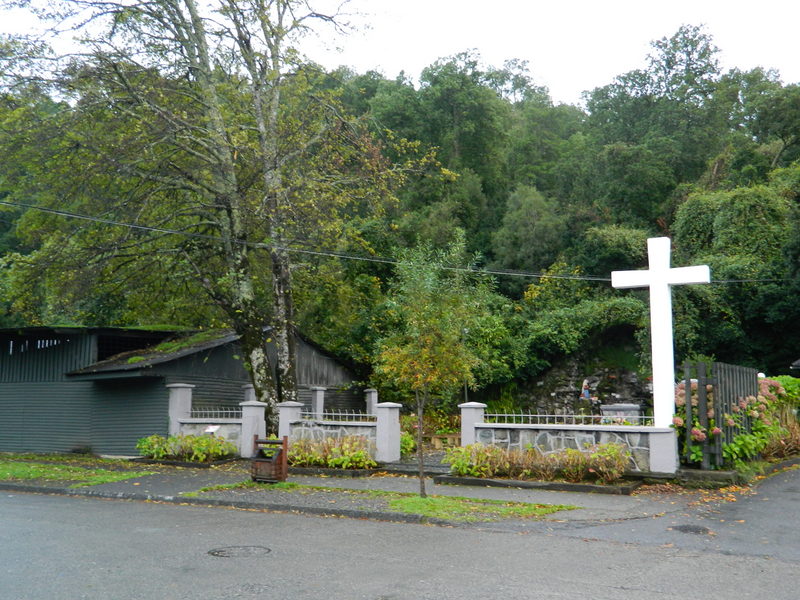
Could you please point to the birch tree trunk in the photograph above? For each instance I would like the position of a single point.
(207, 133)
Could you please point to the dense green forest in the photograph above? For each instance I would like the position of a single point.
(268, 190)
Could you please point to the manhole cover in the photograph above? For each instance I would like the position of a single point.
(239, 551)
(691, 529)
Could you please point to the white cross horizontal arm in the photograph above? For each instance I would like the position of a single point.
(684, 275)
(631, 279)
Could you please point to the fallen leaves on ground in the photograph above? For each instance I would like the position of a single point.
(693, 496)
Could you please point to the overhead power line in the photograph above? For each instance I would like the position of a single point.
(330, 253)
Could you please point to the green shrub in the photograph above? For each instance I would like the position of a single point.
(349, 452)
(434, 422)
(609, 461)
(521, 463)
(791, 388)
(765, 411)
(305, 453)
(573, 465)
(190, 448)
(477, 460)
(407, 444)
(153, 446)
(545, 467)
(605, 462)
(785, 445)
(408, 424)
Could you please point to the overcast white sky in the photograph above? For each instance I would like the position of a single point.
(571, 45)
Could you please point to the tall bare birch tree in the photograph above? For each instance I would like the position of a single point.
(203, 119)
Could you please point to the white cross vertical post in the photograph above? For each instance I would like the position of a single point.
(659, 277)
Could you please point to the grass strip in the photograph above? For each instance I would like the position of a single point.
(80, 476)
(449, 508)
(470, 510)
(69, 457)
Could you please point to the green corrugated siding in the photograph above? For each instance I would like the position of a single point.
(43, 411)
(218, 377)
(335, 399)
(12, 416)
(125, 411)
(44, 357)
(216, 363)
(316, 369)
(42, 417)
(107, 417)
(210, 391)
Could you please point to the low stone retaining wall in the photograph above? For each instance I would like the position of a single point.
(653, 449)
(555, 438)
(383, 431)
(238, 431)
(231, 431)
(320, 430)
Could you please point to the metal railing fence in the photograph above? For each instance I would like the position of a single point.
(345, 416)
(522, 418)
(212, 413)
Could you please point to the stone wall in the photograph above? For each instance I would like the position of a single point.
(231, 432)
(554, 438)
(320, 430)
(557, 390)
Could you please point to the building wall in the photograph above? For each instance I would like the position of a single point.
(42, 410)
(315, 368)
(217, 375)
(42, 357)
(43, 417)
(123, 411)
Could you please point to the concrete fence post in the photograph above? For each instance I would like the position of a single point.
(387, 434)
(318, 401)
(180, 405)
(471, 413)
(288, 413)
(371, 400)
(249, 392)
(252, 424)
(664, 451)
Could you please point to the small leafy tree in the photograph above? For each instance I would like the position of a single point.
(428, 352)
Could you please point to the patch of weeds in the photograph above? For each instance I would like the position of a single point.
(248, 484)
(18, 471)
(771, 472)
(90, 460)
(449, 508)
(470, 510)
(180, 343)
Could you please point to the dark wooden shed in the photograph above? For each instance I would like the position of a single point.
(66, 388)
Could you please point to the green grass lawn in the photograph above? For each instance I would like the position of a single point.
(449, 508)
(65, 457)
(17, 470)
(470, 510)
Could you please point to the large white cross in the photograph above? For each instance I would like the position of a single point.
(659, 278)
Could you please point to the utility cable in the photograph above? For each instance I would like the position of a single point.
(331, 253)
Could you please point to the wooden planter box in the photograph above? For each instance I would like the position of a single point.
(269, 463)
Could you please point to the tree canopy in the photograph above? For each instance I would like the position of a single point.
(188, 165)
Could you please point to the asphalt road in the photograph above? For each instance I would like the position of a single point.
(765, 523)
(74, 548)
